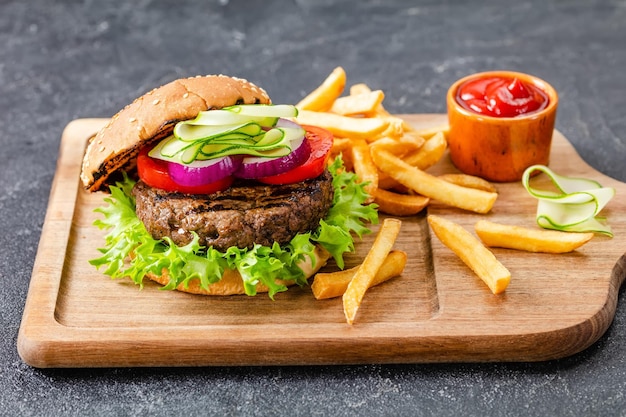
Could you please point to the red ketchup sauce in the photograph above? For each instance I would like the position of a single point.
(501, 97)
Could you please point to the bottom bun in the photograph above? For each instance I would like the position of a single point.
(232, 284)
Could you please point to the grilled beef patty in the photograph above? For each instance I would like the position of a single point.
(247, 213)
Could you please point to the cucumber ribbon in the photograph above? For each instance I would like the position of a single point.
(574, 207)
(247, 129)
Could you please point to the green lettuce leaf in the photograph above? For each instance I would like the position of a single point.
(130, 251)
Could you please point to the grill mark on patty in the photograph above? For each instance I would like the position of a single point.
(247, 213)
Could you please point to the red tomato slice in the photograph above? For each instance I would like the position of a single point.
(321, 141)
(154, 173)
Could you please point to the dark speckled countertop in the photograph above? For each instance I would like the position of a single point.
(64, 60)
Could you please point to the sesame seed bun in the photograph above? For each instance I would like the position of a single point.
(152, 117)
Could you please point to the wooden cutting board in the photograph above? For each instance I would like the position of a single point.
(437, 311)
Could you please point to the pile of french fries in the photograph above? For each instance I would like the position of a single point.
(391, 158)
(379, 265)
(387, 153)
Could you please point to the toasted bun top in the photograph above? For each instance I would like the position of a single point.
(152, 117)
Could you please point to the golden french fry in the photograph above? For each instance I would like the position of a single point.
(531, 240)
(343, 126)
(430, 186)
(363, 88)
(409, 128)
(334, 284)
(323, 97)
(360, 88)
(358, 104)
(399, 204)
(430, 153)
(412, 140)
(340, 145)
(390, 145)
(364, 167)
(385, 182)
(404, 145)
(469, 181)
(363, 278)
(429, 132)
(472, 252)
(395, 125)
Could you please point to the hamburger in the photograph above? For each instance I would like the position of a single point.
(214, 190)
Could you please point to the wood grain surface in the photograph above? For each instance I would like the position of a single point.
(437, 311)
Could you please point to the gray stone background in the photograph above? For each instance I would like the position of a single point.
(64, 60)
